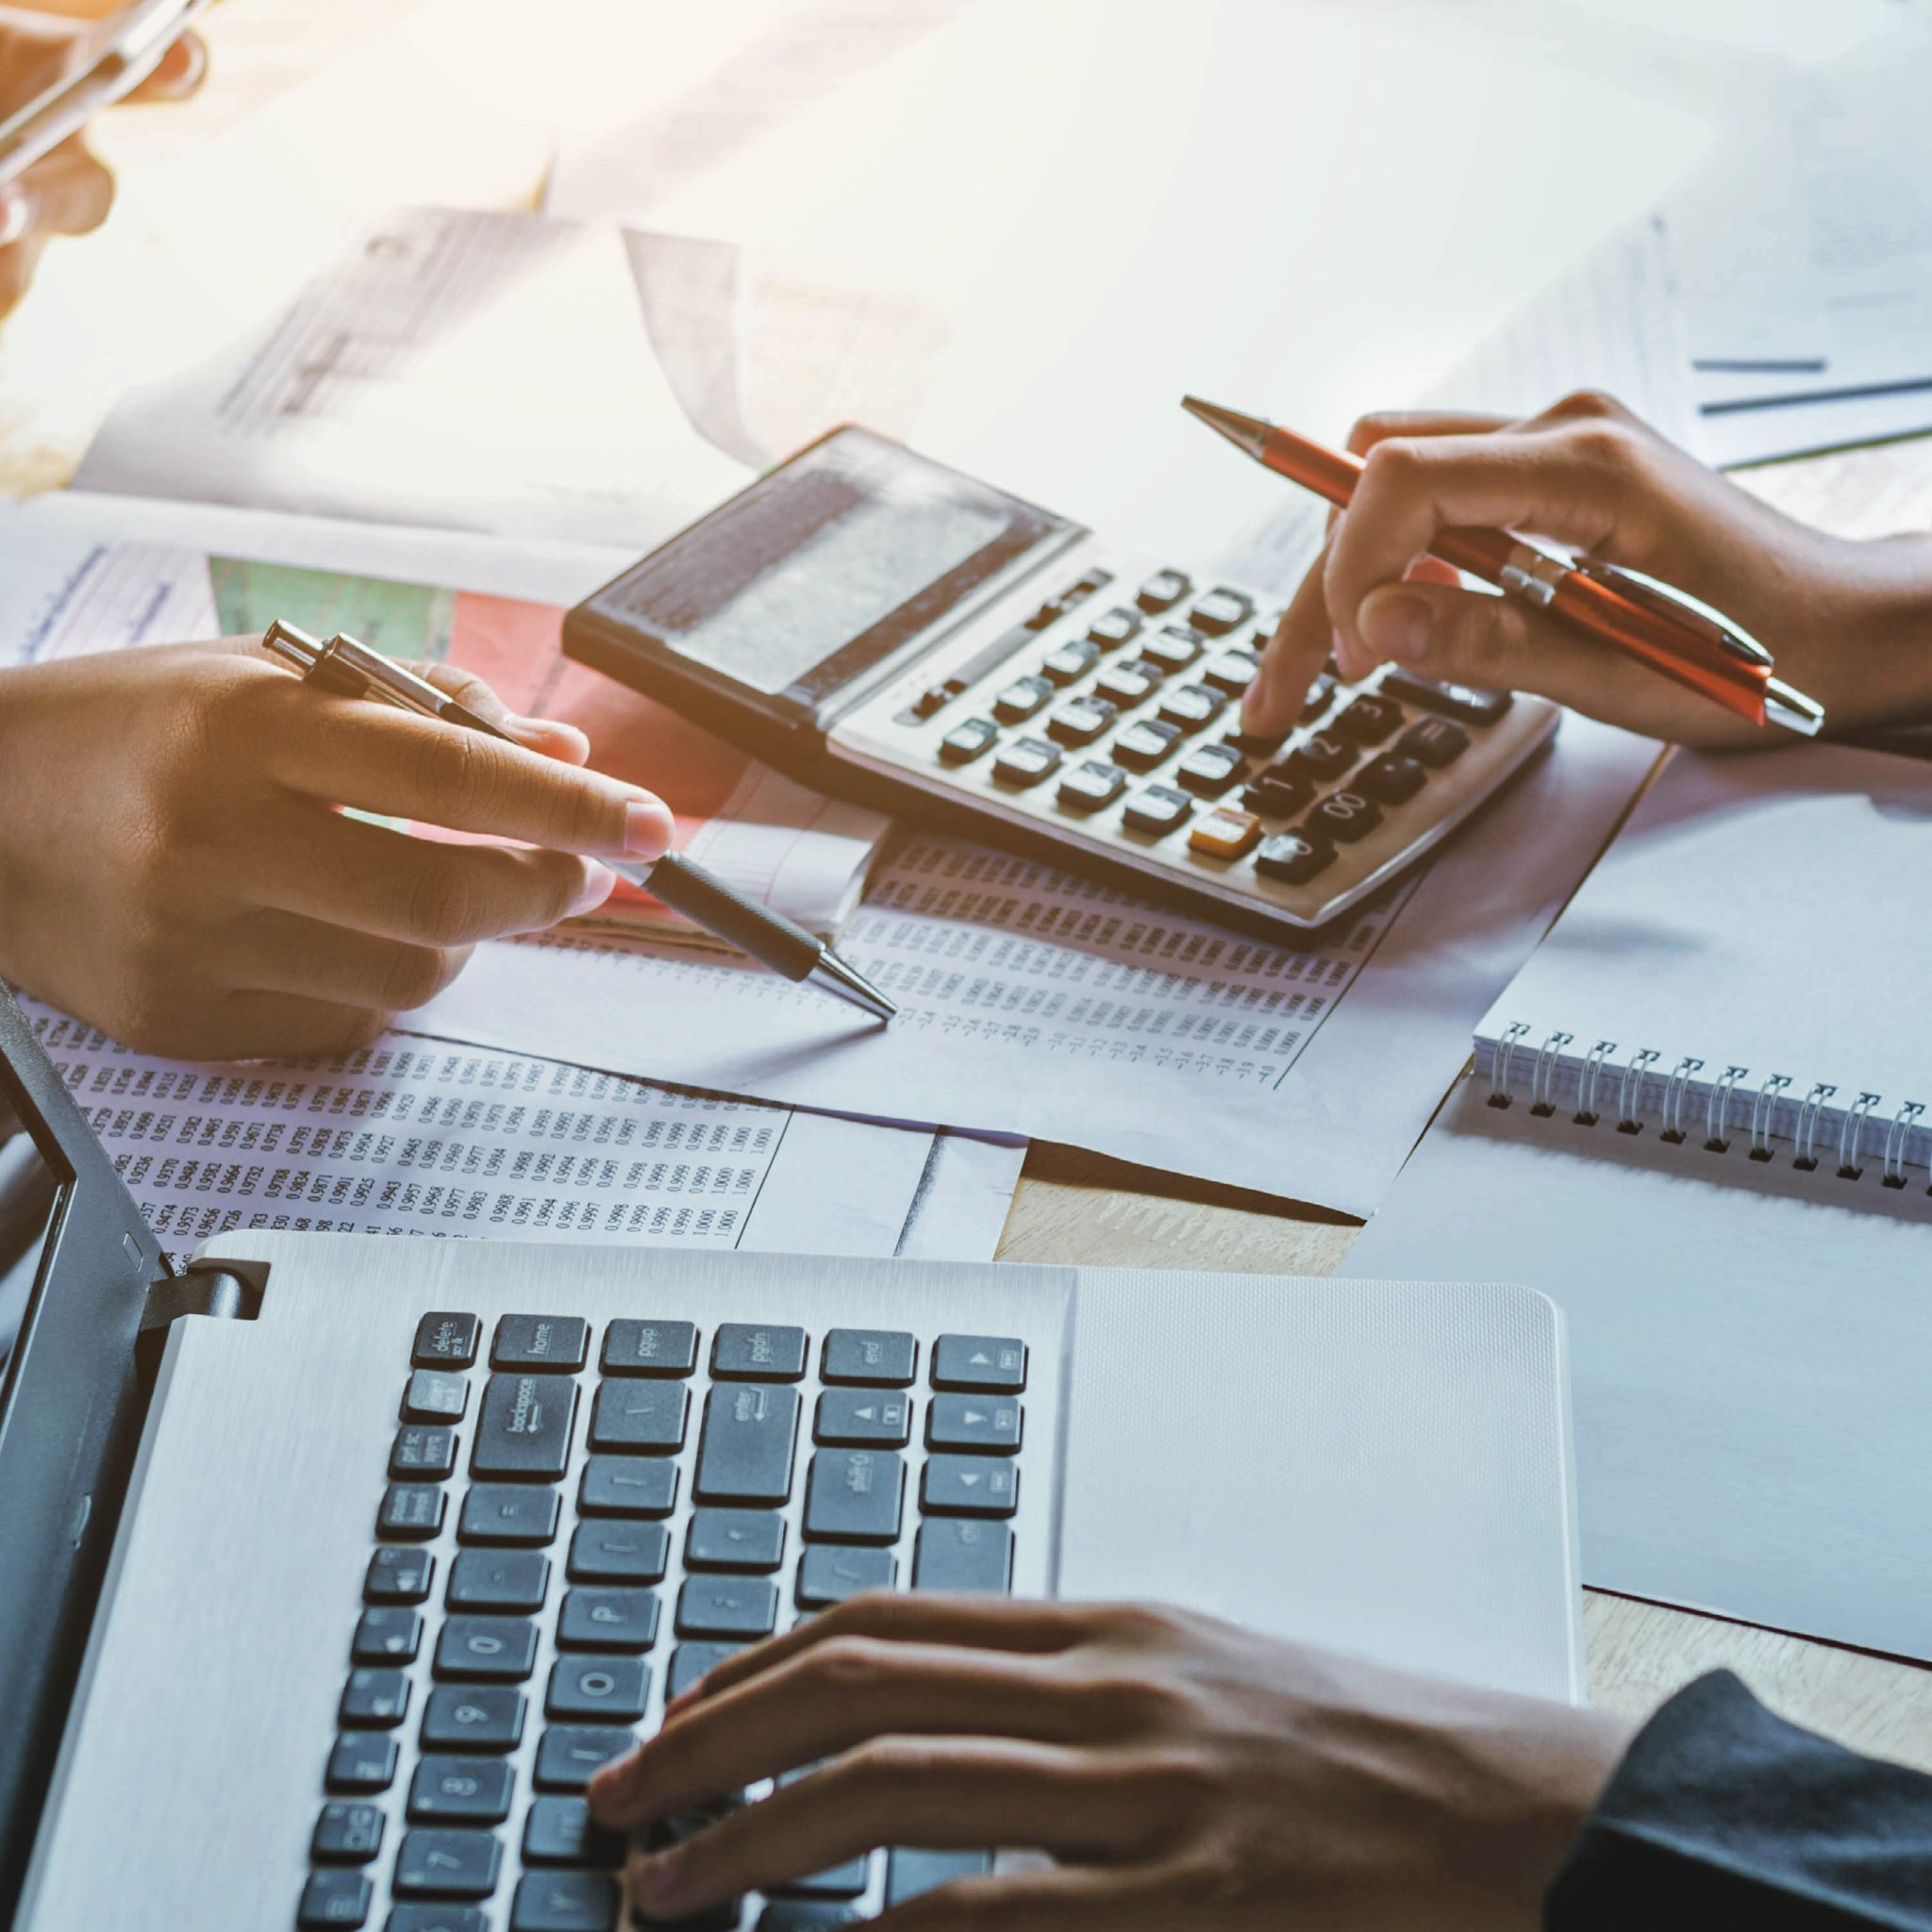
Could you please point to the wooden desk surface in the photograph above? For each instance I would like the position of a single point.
(1071, 1206)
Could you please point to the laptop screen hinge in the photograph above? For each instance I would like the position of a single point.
(229, 1290)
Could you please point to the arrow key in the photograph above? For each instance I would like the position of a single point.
(968, 1486)
(996, 1363)
(863, 1419)
(988, 1425)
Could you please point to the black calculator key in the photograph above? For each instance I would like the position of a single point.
(347, 1834)
(498, 1650)
(611, 1688)
(435, 1919)
(1119, 627)
(1232, 671)
(435, 1395)
(1293, 858)
(522, 1427)
(1320, 695)
(689, 1661)
(1191, 705)
(968, 1486)
(884, 1357)
(511, 1580)
(1221, 611)
(1157, 808)
(398, 1577)
(508, 1513)
(386, 1633)
(1208, 769)
(411, 1512)
(994, 1362)
(1433, 742)
(741, 1607)
(564, 1902)
(1070, 662)
(1369, 720)
(569, 1755)
(374, 1699)
(829, 1573)
(461, 1790)
(985, 1424)
(1020, 699)
(639, 1418)
(340, 1898)
(1163, 591)
(1345, 816)
(557, 1343)
(855, 1497)
(473, 1717)
(627, 1486)
(965, 741)
(446, 1340)
(616, 1551)
(447, 1864)
(422, 1454)
(1277, 794)
(1319, 756)
(1091, 787)
(1461, 701)
(560, 1831)
(845, 1881)
(909, 1873)
(863, 1417)
(745, 1449)
(1173, 647)
(1026, 761)
(751, 1541)
(361, 1761)
(650, 1348)
(1143, 745)
(1390, 780)
(1127, 685)
(604, 1619)
(1254, 745)
(806, 1915)
(751, 1352)
(1082, 720)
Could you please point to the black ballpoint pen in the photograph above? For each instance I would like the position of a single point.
(345, 665)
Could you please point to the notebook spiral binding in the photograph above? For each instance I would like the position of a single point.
(1643, 1078)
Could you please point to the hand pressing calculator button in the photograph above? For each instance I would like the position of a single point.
(1226, 833)
(1020, 699)
(1173, 647)
(1157, 808)
(1390, 780)
(1026, 761)
(1192, 705)
(1211, 769)
(1293, 858)
(1369, 720)
(1461, 701)
(1345, 816)
(964, 742)
(1091, 787)
(1081, 721)
(1119, 627)
(1142, 746)
(1232, 671)
(1163, 591)
(1220, 611)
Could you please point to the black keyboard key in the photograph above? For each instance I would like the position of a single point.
(461, 1790)
(435, 1863)
(1163, 591)
(627, 1486)
(560, 1344)
(1026, 761)
(649, 1348)
(1191, 706)
(1434, 743)
(1293, 858)
(744, 1452)
(435, 1919)
(1071, 661)
(836, 1882)
(1156, 809)
(1174, 648)
(1082, 720)
(1091, 787)
(855, 1497)
(618, 1551)
(374, 1699)
(1319, 756)
(967, 740)
(746, 1540)
(879, 1358)
(910, 1872)
(1461, 703)
(564, 1902)
(398, 1577)
(985, 1425)
(741, 1607)
(968, 1486)
(1221, 611)
(422, 1454)
(1119, 627)
(340, 1898)
(602, 1619)
(1345, 816)
(508, 1513)
(1390, 780)
(435, 1395)
(446, 1341)
(522, 1427)
(1128, 684)
(1019, 700)
(608, 1690)
(347, 1834)
(1208, 769)
(721, 1917)
(386, 1634)
(638, 1418)
(806, 1915)
(995, 1363)
(829, 1573)
(1277, 794)
(1369, 720)
(361, 1761)
(750, 1352)
(473, 1717)
(689, 1661)
(1146, 744)
(504, 1580)
(486, 1650)
(861, 1418)
(560, 1831)
(411, 1512)
(1232, 671)
(569, 1755)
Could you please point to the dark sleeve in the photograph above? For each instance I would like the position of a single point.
(1721, 1815)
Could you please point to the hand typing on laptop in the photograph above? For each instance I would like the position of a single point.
(175, 869)
(1846, 621)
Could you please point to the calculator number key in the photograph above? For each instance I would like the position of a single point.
(1390, 780)
(1221, 611)
(1345, 816)
(1143, 745)
(1278, 793)
(1119, 627)
(1192, 705)
(1091, 787)
(1369, 720)
(1292, 859)
(1026, 761)
(1070, 662)
(1232, 671)
(965, 743)
(1157, 809)
(1130, 683)
(1322, 755)
(1020, 699)
(1209, 770)
(1173, 647)
(1081, 721)
(1163, 591)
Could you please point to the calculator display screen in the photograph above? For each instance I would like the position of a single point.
(827, 565)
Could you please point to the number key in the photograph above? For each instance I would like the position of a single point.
(1345, 816)
(459, 1790)
(447, 1864)
(965, 743)
(1020, 699)
(473, 1717)
(1293, 858)
(1091, 787)
(1390, 780)
(1369, 720)
(1026, 761)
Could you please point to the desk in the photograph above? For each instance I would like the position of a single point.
(1073, 1205)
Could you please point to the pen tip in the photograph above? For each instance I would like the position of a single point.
(1247, 433)
(833, 975)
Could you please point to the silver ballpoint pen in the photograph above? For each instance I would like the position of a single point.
(345, 665)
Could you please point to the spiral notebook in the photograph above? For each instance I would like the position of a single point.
(1698, 1119)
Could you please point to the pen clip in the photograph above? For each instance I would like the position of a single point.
(1666, 600)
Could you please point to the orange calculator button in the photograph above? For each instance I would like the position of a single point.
(1225, 834)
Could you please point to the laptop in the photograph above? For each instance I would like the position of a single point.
(331, 1566)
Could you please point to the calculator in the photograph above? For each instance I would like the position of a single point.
(895, 631)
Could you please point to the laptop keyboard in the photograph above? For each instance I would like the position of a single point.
(576, 1527)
